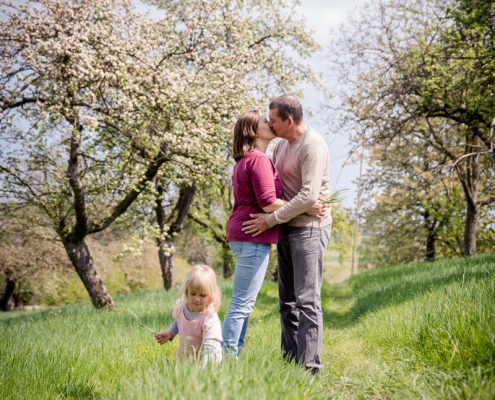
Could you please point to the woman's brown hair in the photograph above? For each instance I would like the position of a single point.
(245, 133)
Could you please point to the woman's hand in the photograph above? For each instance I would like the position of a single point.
(319, 210)
(163, 337)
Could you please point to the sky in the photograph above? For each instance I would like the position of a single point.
(322, 16)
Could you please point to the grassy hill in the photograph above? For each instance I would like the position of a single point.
(415, 331)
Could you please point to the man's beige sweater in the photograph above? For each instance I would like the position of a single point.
(303, 169)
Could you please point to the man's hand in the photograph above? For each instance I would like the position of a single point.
(319, 210)
(255, 226)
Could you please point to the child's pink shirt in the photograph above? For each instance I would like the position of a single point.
(192, 333)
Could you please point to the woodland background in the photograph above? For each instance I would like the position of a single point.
(115, 132)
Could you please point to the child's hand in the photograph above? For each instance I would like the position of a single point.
(162, 337)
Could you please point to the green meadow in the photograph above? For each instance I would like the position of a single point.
(419, 331)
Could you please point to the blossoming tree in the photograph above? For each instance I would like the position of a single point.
(98, 101)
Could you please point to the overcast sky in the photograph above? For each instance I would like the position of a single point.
(322, 16)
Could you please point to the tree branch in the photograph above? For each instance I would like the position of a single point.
(125, 203)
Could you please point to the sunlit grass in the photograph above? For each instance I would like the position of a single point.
(417, 331)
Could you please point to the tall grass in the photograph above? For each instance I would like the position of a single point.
(416, 331)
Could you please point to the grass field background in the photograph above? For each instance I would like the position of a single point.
(407, 332)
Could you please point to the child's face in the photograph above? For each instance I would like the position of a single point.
(197, 301)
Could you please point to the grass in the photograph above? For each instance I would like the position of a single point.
(409, 332)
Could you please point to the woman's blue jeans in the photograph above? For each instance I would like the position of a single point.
(251, 261)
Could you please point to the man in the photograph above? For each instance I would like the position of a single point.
(302, 163)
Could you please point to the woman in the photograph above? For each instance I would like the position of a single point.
(257, 188)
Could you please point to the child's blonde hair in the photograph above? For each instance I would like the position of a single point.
(203, 279)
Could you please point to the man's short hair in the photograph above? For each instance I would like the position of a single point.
(288, 106)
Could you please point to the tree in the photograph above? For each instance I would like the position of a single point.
(169, 228)
(415, 212)
(98, 101)
(453, 80)
(24, 253)
(409, 81)
(456, 75)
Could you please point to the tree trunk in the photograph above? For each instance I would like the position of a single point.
(165, 255)
(469, 181)
(82, 261)
(164, 249)
(431, 227)
(430, 244)
(7, 301)
(469, 245)
(228, 261)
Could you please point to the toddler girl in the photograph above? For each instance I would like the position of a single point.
(196, 319)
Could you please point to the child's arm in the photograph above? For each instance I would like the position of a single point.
(212, 340)
(167, 335)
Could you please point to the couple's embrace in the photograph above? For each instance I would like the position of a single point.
(279, 200)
